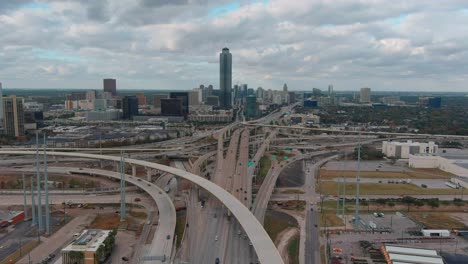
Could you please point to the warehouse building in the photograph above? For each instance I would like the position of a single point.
(402, 150)
(395, 254)
(454, 161)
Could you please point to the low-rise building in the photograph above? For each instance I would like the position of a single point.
(402, 150)
(88, 248)
(395, 254)
(454, 161)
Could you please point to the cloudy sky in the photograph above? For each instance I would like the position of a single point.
(174, 44)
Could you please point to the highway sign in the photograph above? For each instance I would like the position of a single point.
(250, 163)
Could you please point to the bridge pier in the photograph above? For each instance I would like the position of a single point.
(149, 174)
(134, 171)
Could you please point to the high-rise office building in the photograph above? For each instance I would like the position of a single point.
(330, 90)
(110, 86)
(212, 100)
(195, 97)
(316, 92)
(1, 104)
(365, 96)
(141, 98)
(250, 106)
(157, 99)
(13, 119)
(129, 107)
(210, 90)
(91, 95)
(171, 107)
(225, 78)
(285, 88)
(184, 97)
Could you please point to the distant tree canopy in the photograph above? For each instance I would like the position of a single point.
(368, 153)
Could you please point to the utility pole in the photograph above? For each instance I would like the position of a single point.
(46, 188)
(122, 187)
(24, 199)
(358, 179)
(38, 181)
(33, 203)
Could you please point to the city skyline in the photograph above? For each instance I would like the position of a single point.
(174, 44)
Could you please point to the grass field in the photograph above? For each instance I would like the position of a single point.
(179, 230)
(293, 250)
(106, 221)
(293, 191)
(274, 226)
(330, 187)
(329, 217)
(137, 214)
(412, 174)
(436, 220)
(265, 165)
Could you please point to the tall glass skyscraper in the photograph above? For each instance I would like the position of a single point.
(225, 79)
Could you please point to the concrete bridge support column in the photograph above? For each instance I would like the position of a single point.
(134, 171)
(117, 166)
(149, 174)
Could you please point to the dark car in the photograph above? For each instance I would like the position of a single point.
(217, 261)
(124, 258)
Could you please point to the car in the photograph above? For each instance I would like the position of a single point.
(124, 258)
(168, 237)
(315, 225)
(216, 238)
(217, 261)
(149, 185)
(238, 232)
(138, 179)
(137, 199)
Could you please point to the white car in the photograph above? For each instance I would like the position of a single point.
(216, 238)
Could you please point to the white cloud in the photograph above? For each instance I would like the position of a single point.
(175, 44)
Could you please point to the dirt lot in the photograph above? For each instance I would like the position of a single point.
(331, 187)
(410, 174)
(436, 220)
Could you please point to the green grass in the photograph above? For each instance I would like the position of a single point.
(274, 226)
(179, 230)
(412, 174)
(265, 165)
(330, 218)
(330, 187)
(293, 191)
(138, 215)
(293, 250)
(436, 220)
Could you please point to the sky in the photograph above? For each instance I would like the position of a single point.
(175, 44)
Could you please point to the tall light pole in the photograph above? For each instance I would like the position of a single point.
(46, 188)
(24, 199)
(122, 187)
(358, 179)
(38, 181)
(33, 203)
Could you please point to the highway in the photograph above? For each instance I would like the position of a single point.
(325, 130)
(262, 243)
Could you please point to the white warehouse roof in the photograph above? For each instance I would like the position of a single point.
(411, 251)
(415, 259)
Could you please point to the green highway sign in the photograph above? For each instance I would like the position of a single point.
(250, 163)
(273, 157)
(285, 157)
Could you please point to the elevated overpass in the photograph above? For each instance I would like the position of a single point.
(325, 130)
(263, 245)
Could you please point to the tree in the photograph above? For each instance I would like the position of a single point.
(408, 200)
(434, 202)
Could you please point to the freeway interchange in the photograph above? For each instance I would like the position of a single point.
(223, 219)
